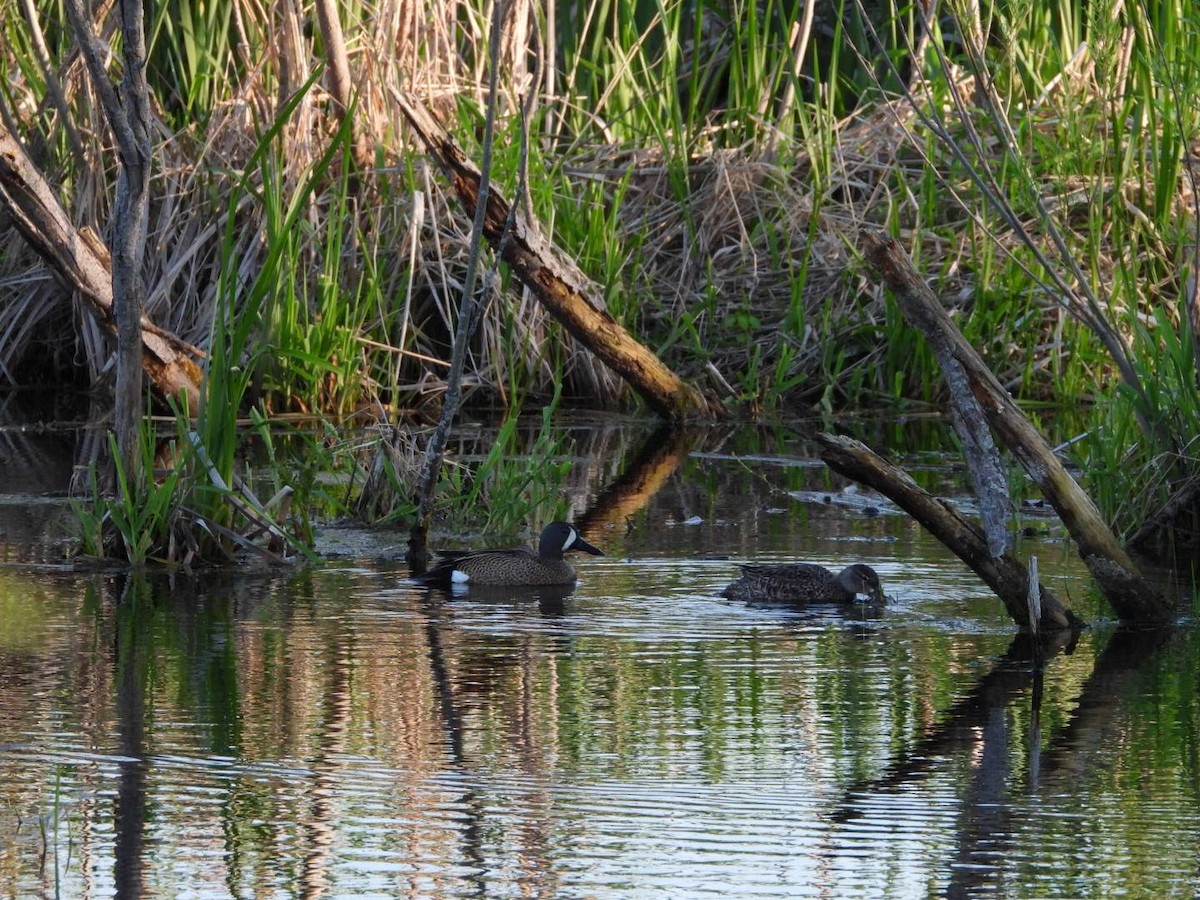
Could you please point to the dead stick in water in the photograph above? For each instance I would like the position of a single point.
(468, 316)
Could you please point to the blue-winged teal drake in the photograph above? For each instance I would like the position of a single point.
(516, 567)
(805, 583)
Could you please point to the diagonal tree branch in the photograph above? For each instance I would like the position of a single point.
(557, 283)
(81, 260)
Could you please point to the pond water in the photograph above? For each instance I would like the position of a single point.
(336, 731)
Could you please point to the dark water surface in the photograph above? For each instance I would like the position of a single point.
(339, 732)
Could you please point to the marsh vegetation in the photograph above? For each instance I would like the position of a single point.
(707, 167)
(709, 171)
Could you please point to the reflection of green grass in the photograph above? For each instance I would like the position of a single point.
(584, 719)
(23, 625)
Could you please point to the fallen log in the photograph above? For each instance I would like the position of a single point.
(558, 285)
(1131, 596)
(1004, 574)
(81, 260)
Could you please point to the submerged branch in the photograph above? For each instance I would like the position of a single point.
(1004, 573)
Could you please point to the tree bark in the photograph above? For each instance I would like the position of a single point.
(1130, 595)
(129, 236)
(81, 260)
(560, 287)
(129, 118)
(1004, 574)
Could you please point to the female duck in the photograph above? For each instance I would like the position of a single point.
(515, 567)
(805, 583)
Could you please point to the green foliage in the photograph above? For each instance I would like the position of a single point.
(1134, 466)
(308, 349)
(512, 485)
(681, 75)
(184, 510)
(139, 515)
(308, 464)
(191, 56)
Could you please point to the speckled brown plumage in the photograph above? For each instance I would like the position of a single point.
(805, 583)
(514, 567)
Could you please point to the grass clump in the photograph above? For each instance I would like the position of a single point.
(185, 512)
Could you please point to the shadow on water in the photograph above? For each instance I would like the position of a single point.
(44, 444)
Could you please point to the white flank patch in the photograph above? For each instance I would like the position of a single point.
(457, 577)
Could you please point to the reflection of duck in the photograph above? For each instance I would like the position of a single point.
(805, 583)
(514, 567)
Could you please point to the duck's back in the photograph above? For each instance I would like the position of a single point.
(518, 566)
(787, 583)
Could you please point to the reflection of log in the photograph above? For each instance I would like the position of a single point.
(1131, 596)
(1097, 725)
(1003, 574)
(663, 453)
(558, 285)
(959, 727)
(80, 258)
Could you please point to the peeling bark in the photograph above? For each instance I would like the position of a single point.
(559, 286)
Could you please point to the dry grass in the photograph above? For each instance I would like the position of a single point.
(734, 245)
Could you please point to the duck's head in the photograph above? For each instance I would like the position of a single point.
(559, 537)
(861, 580)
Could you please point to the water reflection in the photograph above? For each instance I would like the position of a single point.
(341, 732)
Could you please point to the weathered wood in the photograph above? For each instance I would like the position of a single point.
(558, 285)
(80, 259)
(1130, 595)
(129, 118)
(1004, 574)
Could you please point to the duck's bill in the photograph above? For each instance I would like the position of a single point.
(581, 544)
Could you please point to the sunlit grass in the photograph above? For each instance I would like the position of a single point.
(707, 168)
